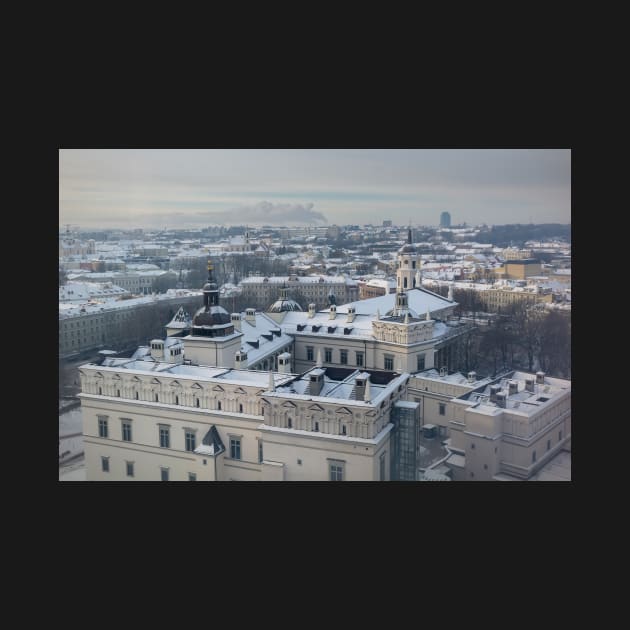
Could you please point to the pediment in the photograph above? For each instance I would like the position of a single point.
(155, 382)
(196, 386)
(176, 384)
(136, 379)
(98, 375)
(289, 404)
(116, 377)
(218, 388)
(240, 390)
(344, 410)
(316, 408)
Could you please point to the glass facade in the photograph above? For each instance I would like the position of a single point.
(404, 441)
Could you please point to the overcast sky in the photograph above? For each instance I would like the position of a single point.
(171, 188)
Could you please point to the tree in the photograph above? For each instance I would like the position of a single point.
(161, 284)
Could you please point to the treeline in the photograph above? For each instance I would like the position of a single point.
(517, 234)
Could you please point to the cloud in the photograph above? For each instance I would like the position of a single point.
(267, 213)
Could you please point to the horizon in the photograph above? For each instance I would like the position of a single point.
(171, 189)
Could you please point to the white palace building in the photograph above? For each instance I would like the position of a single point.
(286, 395)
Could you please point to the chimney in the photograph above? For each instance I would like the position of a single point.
(272, 385)
(284, 363)
(501, 398)
(311, 310)
(443, 371)
(250, 316)
(236, 320)
(333, 312)
(240, 360)
(472, 377)
(367, 397)
(450, 292)
(359, 386)
(317, 382)
(319, 363)
(512, 388)
(494, 390)
(351, 314)
(157, 349)
(540, 378)
(529, 385)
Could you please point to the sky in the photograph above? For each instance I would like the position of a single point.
(186, 188)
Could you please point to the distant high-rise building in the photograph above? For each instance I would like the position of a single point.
(387, 223)
(445, 219)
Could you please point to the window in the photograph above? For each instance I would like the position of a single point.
(219, 405)
(388, 363)
(299, 461)
(359, 358)
(413, 264)
(177, 400)
(316, 426)
(420, 360)
(156, 398)
(190, 441)
(260, 451)
(309, 353)
(240, 408)
(164, 474)
(102, 426)
(343, 357)
(165, 437)
(548, 445)
(118, 393)
(289, 423)
(100, 389)
(485, 466)
(472, 445)
(534, 456)
(472, 474)
(559, 436)
(192, 476)
(336, 471)
(126, 431)
(137, 396)
(197, 402)
(328, 355)
(235, 448)
(343, 429)
(129, 469)
(105, 464)
(382, 467)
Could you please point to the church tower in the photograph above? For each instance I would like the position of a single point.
(408, 266)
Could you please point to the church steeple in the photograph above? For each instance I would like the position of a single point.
(210, 289)
(407, 265)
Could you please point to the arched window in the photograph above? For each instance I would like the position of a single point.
(177, 400)
(289, 423)
(137, 396)
(197, 402)
(156, 398)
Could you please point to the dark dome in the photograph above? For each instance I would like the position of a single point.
(408, 249)
(210, 286)
(211, 317)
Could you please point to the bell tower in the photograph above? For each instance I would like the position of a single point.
(407, 266)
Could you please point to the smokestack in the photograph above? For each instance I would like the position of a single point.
(157, 349)
(529, 385)
(319, 363)
(284, 363)
(472, 376)
(512, 388)
(272, 385)
(311, 310)
(240, 359)
(236, 320)
(540, 378)
(450, 292)
(368, 393)
(317, 382)
(501, 399)
(250, 316)
(494, 390)
(333, 312)
(351, 314)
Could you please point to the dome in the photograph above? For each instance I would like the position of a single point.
(210, 286)
(408, 249)
(281, 306)
(211, 316)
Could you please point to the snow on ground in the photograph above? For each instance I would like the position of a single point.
(70, 422)
(73, 472)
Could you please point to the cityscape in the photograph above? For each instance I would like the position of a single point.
(212, 329)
